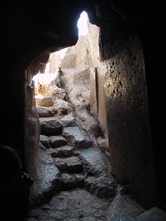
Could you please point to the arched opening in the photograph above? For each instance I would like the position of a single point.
(72, 124)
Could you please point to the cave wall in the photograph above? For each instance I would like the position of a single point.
(122, 91)
(127, 114)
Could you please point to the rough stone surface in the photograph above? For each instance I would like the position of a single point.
(74, 165)
(45, 141)
(47, 180)
(61, 164)
(57, 141)
(153, 214)
(79, 179)
(50, 126)
(43, 111)
(68, 181)
(77, 83)
(103, 187)
(123, 206)
(73, 205)
(76, 137)
(93, 161)
(63, 151)
(68, 120)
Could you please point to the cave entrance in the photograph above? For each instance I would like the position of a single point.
(70, 108)
(75, 69)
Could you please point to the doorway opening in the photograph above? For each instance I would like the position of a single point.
(67, 92)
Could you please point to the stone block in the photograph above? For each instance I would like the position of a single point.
(73, 165)
(63, 151)
(76, 137)
(57, 141)
(50, 126)
(68, 182)
(102, 187)
(61, 164)
(45, 101)
(79, 179)
(68, 120)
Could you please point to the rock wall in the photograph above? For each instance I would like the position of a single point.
(129, 137)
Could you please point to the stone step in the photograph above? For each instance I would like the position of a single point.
(46, 101)
(46, 111)
(68, 165)
(52, 141)
(50, 126)
(71, 181)
(60, 110)
(75, 136)
(93, 161)
(68, 120)
(62, 152)
(57, 141)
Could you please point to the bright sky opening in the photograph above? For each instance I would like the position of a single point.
(83, 24)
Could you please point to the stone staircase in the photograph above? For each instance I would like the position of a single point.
(80, 164)
(72, 171)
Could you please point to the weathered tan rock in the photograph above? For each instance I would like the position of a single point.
(44, 101)
(103, 144)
